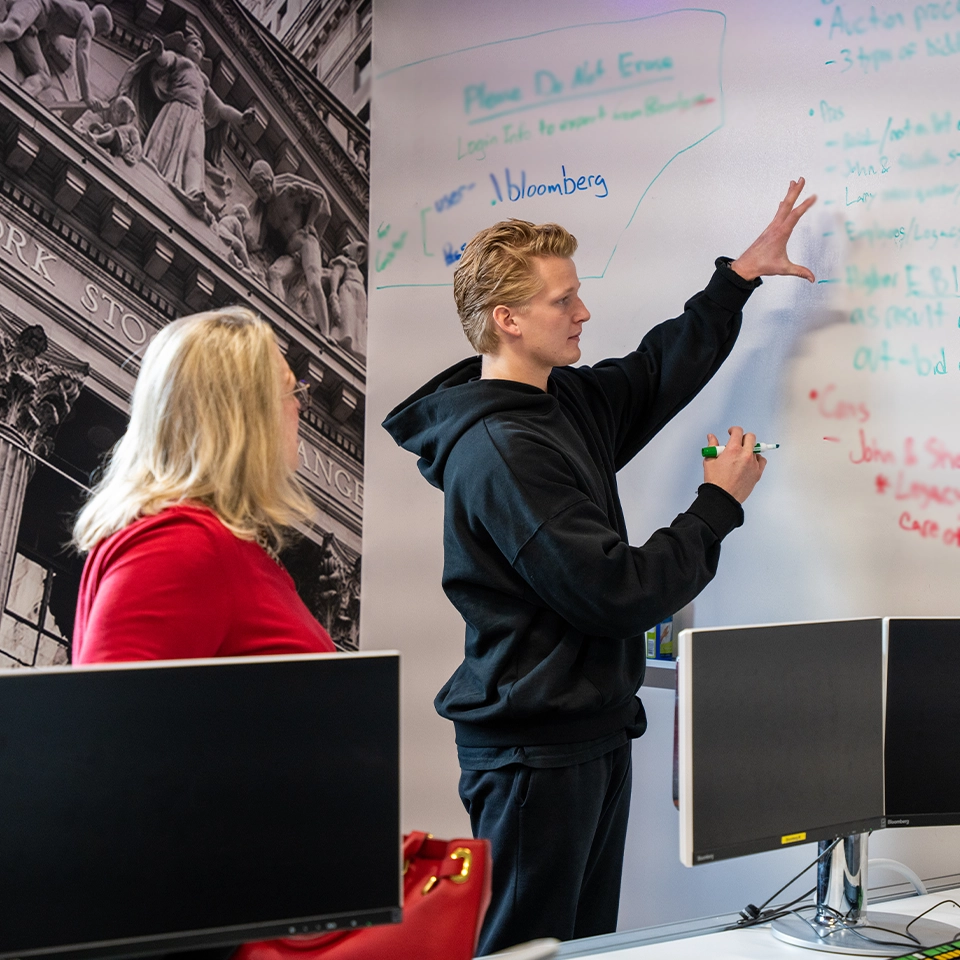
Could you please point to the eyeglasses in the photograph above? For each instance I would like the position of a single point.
(302, 392)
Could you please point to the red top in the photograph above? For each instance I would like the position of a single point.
(180, 585)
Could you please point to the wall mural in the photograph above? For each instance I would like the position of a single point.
(160, 158)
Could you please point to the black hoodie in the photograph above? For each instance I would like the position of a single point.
(536, 555)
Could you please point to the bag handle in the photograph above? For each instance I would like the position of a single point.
(412, 845)
(456, 867)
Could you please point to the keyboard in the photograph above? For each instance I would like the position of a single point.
(945, 951)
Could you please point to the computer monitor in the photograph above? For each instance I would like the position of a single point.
(156, 807)
(780, 743)
(780, 736)
(922, 736)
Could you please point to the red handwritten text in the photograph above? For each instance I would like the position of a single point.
(871, 452)
(926, 528)
(926, 493)
(832, 408)
(942, 458)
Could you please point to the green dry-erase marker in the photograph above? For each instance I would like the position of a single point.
(757, 448)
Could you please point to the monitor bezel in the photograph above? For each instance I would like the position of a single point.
(221, 936)
(908, 819)
(689, 855)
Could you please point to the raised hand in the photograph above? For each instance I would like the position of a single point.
(767, 255)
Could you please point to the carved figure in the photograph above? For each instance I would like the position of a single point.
(338, 595)
(120, 134)
(287, 221)
(330, 575)
(230, 231)
(348, 297)
(349, 619)
(169, 74)
(42, 30)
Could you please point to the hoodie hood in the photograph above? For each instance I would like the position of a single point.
(431, 421)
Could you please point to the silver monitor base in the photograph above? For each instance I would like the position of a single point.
(836, 937)
(842, 923)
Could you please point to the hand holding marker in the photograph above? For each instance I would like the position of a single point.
(735, 467)
(715, 451)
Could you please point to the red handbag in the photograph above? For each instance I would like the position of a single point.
(446, 892)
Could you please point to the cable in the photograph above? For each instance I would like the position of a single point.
(920, 916)
(774, 913)
(752, 914)
(845, 925)
(857, 929)
(897, 867)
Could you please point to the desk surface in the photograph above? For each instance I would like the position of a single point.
(752, 943)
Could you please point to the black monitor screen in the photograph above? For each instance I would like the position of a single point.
(922, 776)
(151, 807)
(781, 736)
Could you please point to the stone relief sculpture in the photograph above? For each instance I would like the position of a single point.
(230, 230)
(339, 595)
(174, 99)
(116, 130)
(165, 113)
(286, 223)
(350, 607)
(51, 36)
(327, 577)
(348, 298)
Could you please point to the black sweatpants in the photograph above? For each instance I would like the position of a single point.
(557, 836)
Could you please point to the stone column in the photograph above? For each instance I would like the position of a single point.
(15, 473)
(35, 395)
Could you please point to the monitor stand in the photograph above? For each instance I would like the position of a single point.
(842, 924)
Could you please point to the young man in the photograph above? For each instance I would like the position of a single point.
(537, 559)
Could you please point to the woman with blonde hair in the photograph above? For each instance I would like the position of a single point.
(196, 499)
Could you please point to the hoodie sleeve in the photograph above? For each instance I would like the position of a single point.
(561, 544)
(641, 392)
(602, 585)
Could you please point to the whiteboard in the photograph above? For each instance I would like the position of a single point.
(663, 136)
(687, 125)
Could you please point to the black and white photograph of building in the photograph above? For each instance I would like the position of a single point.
(159, 158)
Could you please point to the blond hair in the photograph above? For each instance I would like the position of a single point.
(205, 427)
(497, 267)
